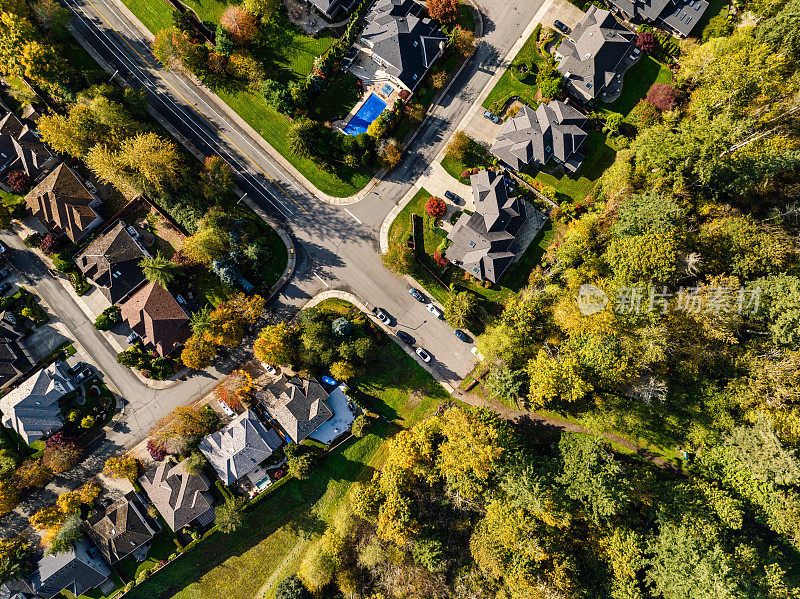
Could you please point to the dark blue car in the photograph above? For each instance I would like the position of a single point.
(461, 335)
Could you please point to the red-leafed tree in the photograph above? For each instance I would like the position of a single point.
(435, 207)
(157, 452)
(439, 258)
(444, 11)
(646, 41)
(239, 23)
(663, 96)
(18, 181)
(50, 244)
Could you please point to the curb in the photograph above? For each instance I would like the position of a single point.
(349, 297)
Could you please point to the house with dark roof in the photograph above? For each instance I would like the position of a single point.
(334, 9)
(180, 496)
(78, 571)
(298, 404)
(404, 43)
(15, 359)
(481, 241)
(593, 54)
(32, 408)
(158, 319)
(64, 204)
(553, 130)
(112, 262)
(239, 447)
(122, 528)
(21, 149)
(677, 16)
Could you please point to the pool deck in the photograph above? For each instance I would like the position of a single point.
(373, 80)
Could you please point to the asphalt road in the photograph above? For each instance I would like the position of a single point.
(338, 248)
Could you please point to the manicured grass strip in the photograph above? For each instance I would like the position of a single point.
(635, 84)
(154, 14)
(599, 154)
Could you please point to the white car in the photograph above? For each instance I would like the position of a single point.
(478, 355)
(435, 311)
(426, 357)
(269, 368)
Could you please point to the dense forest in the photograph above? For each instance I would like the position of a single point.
(668, 313)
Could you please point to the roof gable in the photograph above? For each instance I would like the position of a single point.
(298, 404)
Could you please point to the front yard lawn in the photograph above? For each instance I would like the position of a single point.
(599, 156)
(279, 529)
(635, 84)
(476, 156)
(514, 84)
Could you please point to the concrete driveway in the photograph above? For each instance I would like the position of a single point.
(563, 11)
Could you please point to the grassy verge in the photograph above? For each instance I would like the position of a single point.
(599, 154)
(636, 82)
(278, 530)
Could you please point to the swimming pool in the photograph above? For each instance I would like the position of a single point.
(368, 112)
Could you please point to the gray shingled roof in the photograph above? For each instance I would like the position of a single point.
(593, 51)
(78, 571)
(112, 262)
(15, 360)
(481, 241)
(21, 149)
(32, 408)
(406, 43)
(672, 14)
(298, 404)
(553, 130)
(17, 589)
(331, 8)
(180, 496)
(239, 447)
(122, 528)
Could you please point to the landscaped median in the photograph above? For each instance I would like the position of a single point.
(284, 522)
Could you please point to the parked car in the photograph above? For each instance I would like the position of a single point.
(329, 381)
(269, 368)
(132, 337)
(5, 288)
(561, 27)
(382, 316)
(435, 311)
(455, 198)
(636, 51)
(226, 408)
(492, 117)
(3, 248)
(4, 273)
(405, 337)
(426, 357)
(461, 335)
(480, 357)
(417, 295)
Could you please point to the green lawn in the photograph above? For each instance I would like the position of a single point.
(288, 55)
(635, 84)
(514, 84)
(278, 530)
(161, 547)
(338, 98)
(599, 156)
(475, 157)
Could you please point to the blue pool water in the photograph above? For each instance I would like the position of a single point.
(368, 112)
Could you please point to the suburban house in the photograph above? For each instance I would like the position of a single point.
(64, 204)
(553, 130)
(15, 359)
(298, 404)
(678, 16)
(112, 262)
(122, 528)
(239, 448)
(77, 571)
(592, 56)
(401, 41)
(181, 497)
(158, 319)
(21, 149)
(32, 408)
(17, 589)
(481, 241)
(333, 9)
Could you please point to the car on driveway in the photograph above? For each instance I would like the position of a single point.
(5, 288)
(461, 335)
(426, 357)
(382, 316)
(561, 27)
(492, 117)
(455, 198)
(405, 337)
(417, 295)
(269, 368)
(435, 311)
(3, 248)
(477, 354)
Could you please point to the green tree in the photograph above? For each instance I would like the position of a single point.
(15, 558)
(159, 269)
(459, 308)
(201, 321)
(70, 532)
(216, 178)
(398, 258)
(229, 514)
(303, 137)
(300, 466)
(292, 588)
